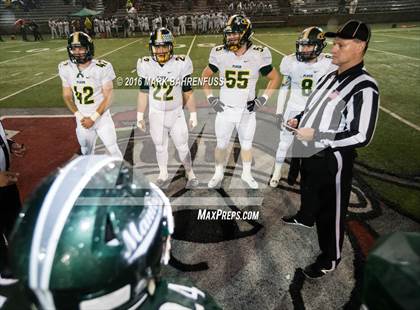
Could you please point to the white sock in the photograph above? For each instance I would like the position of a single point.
(246, 167)
(163, 172)
(277, 171)
(219, 170)
(190, 175)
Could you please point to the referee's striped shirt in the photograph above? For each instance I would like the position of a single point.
(343, 109)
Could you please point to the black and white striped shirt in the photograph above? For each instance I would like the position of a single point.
(343, 109)
(4, 150)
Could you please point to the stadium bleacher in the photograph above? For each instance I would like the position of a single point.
(280, 10)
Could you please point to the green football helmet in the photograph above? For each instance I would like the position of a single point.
(92, 236)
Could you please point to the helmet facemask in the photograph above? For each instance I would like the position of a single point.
(160, 56)
(161, 45)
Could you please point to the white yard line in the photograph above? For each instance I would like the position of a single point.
(192, 44)
(398, 37)
(17, 58)
(394, 115)
(55, 75)
(39, 73)
(16, 73)
(270, 47)
(35, 116)
(391, 53)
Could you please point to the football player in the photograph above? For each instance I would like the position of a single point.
(87, 92)
(94, 236)
(240, 64)
(165, 87)
(300, 71)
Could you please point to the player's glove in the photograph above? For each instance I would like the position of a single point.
(216, 104)
(141, 124)
(256, 104)
(279, 121)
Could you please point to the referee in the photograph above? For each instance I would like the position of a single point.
(9, 196)
(340, 115)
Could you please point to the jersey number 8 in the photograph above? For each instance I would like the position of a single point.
(307, 87)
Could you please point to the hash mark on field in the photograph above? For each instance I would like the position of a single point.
(270, 47)
(134, 70)
(39, 73)
(55, 75)
(16, 73)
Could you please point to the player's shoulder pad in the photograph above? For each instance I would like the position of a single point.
(258, 48)
(63, 64)
(180, 57)
(218, 48)
(145, 59)
(101, 63)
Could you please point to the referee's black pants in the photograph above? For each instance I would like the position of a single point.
(325, 194)
(10, 207)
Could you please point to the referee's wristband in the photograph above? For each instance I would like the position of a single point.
(95, 116)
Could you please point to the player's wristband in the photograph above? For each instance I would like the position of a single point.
(78, 115)
(140, 116)
(211, 95)
(95, 116)
(265, 96)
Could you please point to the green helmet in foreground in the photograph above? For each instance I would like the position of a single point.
(93, 236)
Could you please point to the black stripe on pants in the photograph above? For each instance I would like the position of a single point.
(325, 195)
(9, 212)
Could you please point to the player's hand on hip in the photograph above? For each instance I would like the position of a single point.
(193, 120)
(256, 104)
(87, 122)
(18, 149)
(141, 123)
(216, 104)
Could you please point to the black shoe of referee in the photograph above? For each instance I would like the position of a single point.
(293, 220)
(318, 270)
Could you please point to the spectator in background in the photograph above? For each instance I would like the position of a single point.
(353, 6)
(66, 26)
(53, 27)
(9, 196)
(88, 26)
(34, 27)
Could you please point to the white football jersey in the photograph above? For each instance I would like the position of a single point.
(303, 76)
(86, 84)
(165, 82)
(240, 75)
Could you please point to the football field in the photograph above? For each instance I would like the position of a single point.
(391, 163)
